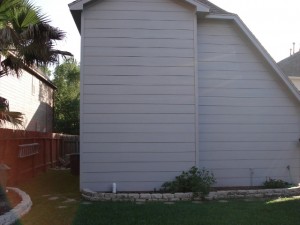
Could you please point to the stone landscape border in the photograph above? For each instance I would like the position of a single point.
(168, 197)
(21, 209)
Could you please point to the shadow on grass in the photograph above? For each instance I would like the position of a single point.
(63, 186)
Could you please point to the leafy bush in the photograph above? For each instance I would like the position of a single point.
(274, 183)
(195, 180)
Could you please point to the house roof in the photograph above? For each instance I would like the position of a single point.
(38, 74)
(291, 65)
(72, 3)
(41, 76)
(202, 6)
(214, 12)
(213, 8)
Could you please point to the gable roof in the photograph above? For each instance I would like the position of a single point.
(214, 9)
(200, 4)
(214, 12)
(40, 75)
(202, 7)
(207, 6)
(35, 71)
(291, 65)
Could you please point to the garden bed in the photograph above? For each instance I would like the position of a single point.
(11, 200)
(170, 197)
(20, 204)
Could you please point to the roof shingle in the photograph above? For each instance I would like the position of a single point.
(213, 8)
(291, 65)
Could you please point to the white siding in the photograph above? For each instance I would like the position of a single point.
(247, 119)
(138, 85)
(30, 96)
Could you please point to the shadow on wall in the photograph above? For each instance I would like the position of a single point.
(42, 119)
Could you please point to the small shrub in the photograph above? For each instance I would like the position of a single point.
(194, 180)
(275, 183)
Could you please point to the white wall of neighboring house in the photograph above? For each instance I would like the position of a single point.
(32, 97)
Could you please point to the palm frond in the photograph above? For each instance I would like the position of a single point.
(11, 66)
(26, 32)
(15, 118)
(8, 38)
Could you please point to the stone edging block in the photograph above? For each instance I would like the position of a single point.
(169, 197)
(21, 209)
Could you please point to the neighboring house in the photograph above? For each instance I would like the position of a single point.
(32, 95)
(291, 67)
(167, 85)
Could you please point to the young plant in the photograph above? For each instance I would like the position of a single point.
(194, 180)
(275, 183)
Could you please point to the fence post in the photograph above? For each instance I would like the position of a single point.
(44, 150)
(51, 154)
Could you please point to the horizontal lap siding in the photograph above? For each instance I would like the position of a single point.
(138, 104)
(32, 97)
(248, 122)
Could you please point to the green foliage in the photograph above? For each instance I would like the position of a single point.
(26, 37)
(195, 180)
(275, 183)
(66, 108)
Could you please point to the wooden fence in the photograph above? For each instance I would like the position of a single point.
(29, 153)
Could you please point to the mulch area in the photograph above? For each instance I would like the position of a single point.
(7, 202)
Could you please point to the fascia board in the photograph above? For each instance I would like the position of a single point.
(199, 6)
(78, 5)
(35, 73)
(260, 48)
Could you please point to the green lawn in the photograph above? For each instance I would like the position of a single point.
(64, 186)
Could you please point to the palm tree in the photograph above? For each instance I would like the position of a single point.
(15, 118)
(26, 39)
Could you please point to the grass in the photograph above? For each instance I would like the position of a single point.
(59, 184)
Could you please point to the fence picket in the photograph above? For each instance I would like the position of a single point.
(28, 153)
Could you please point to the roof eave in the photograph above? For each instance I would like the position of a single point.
(259, 47)
(200, 7)
(35, 73)
(77, 18)
(40, 77)
(77, 7)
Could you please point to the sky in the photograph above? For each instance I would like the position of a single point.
(59, 14)
(273, 22)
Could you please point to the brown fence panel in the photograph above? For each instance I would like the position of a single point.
(18, 151)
